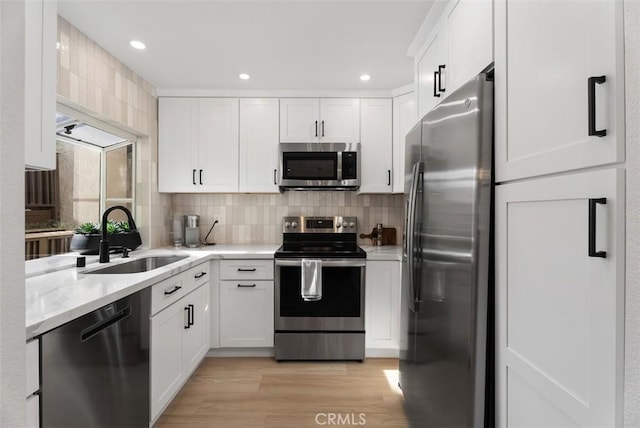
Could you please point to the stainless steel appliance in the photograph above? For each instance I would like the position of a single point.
(331, 328)
(192, 231)
(446, 344)
(319, 166)
(95, 369)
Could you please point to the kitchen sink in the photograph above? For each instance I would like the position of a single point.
(143, 264)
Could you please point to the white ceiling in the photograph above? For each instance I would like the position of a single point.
(295, 44)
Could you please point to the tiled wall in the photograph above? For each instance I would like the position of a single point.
(94, 82)
(257, 219)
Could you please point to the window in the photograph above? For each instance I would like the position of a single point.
(95, 170)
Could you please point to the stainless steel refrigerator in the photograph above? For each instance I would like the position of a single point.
(447, 271)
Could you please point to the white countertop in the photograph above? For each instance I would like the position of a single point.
(384, 252)
(64, 293)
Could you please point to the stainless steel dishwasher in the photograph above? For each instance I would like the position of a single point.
(95, 369)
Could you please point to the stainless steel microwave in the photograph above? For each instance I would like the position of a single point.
(319, 166)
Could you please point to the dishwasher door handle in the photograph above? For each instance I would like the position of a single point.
(95, 329)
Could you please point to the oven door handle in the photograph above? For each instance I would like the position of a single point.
(325, 262)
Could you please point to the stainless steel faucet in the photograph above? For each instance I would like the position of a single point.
(104, 242)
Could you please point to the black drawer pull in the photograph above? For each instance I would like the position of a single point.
(192, 315)
(275, 178)
(316, 128)
(246, 270)
(188, 324)
(173, 290)
(592, 105)
(246, 285)
(592, 227)
(200, 275)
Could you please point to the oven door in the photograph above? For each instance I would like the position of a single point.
(341, 307)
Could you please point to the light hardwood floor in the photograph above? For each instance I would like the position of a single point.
(260, 392)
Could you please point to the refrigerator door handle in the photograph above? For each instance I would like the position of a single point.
(411, 228)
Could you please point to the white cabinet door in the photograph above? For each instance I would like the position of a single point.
(432, 60)
(542, 86)
(259, 136)
(404, 118)
(560, 311)
(470, 37)
(246, 313)
(41, 23)
(217, 145)
(299, 120)
(196, 335)
(376, 148)
(177, 155)
(167, 369)
(339, 120)
(33, 412)
(382, 305)
(214, 304)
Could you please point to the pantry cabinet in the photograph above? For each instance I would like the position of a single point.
(560, 299)
(376, 149)
(561, 90)
(259, 135)
(325, 120)
(41, 23)
(198, 144)
(382, 308)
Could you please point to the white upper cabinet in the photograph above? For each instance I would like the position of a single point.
(377, 146)
(259, 145)
(561, 90)
(404, 118)
(41, 23)
(460, 47)
(325, 120)
(428, 68)
(198, 145)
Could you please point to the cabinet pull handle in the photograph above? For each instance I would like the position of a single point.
(388, 177)
(440, 68)
(246, 270)
(201, 177)
(246, 285)
(592, 227)
(173, 290)
(323, 128)
(200, 275)
(193, 177)
(187, 325)
(316, 128)
(275, 179)
(435, 77)
(192, 319)
(592, 105)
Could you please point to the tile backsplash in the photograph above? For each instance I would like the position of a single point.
(257, 218)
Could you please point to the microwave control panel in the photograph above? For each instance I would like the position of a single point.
(349, 165)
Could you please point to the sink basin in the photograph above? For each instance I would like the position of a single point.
(143, 264)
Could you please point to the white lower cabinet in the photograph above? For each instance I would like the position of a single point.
(33, 384)
(382, 308)
(179, 341)
(560, 300)
(246, 313)
(33, 411)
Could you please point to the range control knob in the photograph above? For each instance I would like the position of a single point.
(352, 224)
(339, 225)
(294, 224)
(287, 224)
(344, 224)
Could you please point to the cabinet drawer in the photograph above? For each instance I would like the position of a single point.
(168, 291)
(198, 275)
(246, 269)
(33, 366)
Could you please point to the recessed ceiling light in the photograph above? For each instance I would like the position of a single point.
(244, 76)
(365, 77)
(137, 44)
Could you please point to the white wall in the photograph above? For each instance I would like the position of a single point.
(12, 317)
(632, 298)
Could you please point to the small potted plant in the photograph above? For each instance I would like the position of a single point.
(87, 236)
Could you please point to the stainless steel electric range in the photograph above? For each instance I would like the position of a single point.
(332, 327)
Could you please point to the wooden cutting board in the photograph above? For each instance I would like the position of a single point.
(388, 235)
